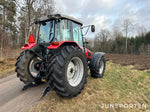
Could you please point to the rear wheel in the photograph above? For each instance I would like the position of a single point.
(69, 71)
(27, 66)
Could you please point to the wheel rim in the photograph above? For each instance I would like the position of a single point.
(34, 67)
(75, 71)
(101, 67)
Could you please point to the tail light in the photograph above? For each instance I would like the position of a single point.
(25, 45)
(55, 43)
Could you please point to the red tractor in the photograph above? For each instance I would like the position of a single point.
(59, 57)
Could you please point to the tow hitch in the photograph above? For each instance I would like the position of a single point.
(41, 78)
(36, 83)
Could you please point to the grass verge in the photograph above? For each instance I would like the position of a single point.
(119, 86)
(7, 62)
(7, 67)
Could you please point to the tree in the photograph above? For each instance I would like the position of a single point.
(127, 27)
(141, 30)
(101, 39)
(30, 10)
(147, 38)
(7, 21)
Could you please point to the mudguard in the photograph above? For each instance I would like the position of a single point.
(31, 43)
(55, 45)
(28, 46)
(88, 53)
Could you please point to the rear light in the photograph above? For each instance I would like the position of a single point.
(55, 43)
(25, 45)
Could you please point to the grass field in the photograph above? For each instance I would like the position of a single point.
(7, 67)
(120, 86)
(7, 62)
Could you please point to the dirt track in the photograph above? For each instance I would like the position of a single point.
(13, 99)
(139, 62)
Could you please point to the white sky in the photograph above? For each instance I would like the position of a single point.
(104, 14)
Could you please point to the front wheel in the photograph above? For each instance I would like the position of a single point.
(69, 71)
(97, 65)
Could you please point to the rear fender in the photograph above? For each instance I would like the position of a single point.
(88, 53)
(56, 45)
(100, 54)
(31, 43)
(28, 46)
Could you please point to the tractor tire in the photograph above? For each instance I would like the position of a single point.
(69, 71)
(97, 65)
(25, 71)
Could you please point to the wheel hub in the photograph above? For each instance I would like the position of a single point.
(101, 68)
(34, 67)
(75, 71)
(37, 66)
(71, 70)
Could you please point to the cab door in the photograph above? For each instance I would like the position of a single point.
(77, 34)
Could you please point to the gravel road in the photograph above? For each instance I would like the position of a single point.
(13, 99)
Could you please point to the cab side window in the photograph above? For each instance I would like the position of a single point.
(77, 35)
(63, 30)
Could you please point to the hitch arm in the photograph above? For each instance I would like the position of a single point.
(46, 90)
(31, 84)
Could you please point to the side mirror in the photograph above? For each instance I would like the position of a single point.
(92, 28)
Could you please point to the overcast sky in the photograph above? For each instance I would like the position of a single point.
(107, 13)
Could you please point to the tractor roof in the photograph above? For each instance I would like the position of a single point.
(57, 16)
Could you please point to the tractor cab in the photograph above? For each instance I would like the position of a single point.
(56, 28)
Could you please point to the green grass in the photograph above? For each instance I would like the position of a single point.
(120, 85)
